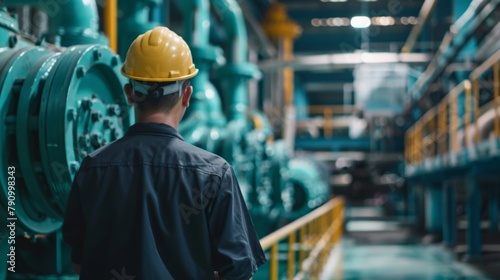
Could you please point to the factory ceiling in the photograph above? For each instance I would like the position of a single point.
(328, 30)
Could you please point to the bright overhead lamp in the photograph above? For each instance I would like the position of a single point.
(360, 22)
(316, 22)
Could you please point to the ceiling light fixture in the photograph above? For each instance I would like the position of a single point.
(385, 21)
(360, 22)
(412, 20)
(315, 22)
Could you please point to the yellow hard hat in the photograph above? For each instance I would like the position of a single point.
(159, 55)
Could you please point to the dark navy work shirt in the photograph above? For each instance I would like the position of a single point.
(151, 206)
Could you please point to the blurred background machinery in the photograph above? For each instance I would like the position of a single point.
(62, 97)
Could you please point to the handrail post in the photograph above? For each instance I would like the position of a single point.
(327, 119)
(273, 272)
(467, 113)
(454, 123)
(291, 255)
(496, 96)
(475, 89)
(302, 240)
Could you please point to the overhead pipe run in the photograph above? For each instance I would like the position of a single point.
(491, 44)
(425, 12)
(71, 21)
(454, 41)
(343, 61)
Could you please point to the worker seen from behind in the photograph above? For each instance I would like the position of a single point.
(149, 205)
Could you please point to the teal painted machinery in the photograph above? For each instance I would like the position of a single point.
(60, 100)
(56, 106)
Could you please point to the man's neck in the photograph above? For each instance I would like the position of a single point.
(157, 118)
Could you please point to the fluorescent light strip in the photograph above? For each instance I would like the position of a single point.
(360, 22)
(377, 21)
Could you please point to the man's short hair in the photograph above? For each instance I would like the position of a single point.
(154, 100)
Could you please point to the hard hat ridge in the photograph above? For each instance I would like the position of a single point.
(159, 55)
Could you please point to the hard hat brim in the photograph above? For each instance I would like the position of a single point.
(159, 79)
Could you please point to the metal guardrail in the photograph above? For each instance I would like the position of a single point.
(446, 126)
(328, 112)
(316, 233)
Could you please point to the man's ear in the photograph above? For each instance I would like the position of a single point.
(186, 96)
(128, 91)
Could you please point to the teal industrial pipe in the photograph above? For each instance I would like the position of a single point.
(237, 70)
(73, 21)
(134, 20)
(196, 22)
(204, 119)
(206, 99)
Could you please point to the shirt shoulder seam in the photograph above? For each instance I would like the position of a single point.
(180, 166)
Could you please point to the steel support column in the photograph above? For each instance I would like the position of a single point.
(473, 207)
(412, 200)
(493, 195)
(420, 208)
(433, 205)
(449, 214)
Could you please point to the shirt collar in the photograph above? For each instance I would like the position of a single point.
(153, 128)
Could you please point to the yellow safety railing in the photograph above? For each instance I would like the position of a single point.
(480, 82)
(447, 126)
(436, 132)
(458, 115)
(328, 112)
(316, 233)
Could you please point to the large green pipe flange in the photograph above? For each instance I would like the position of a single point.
(310, 189)
(80, 111)
(17, 63)
(27, 133)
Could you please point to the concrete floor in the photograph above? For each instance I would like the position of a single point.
(419, 262)
(375, 247)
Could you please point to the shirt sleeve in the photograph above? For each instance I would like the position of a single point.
(74, 225)
(236, 250)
